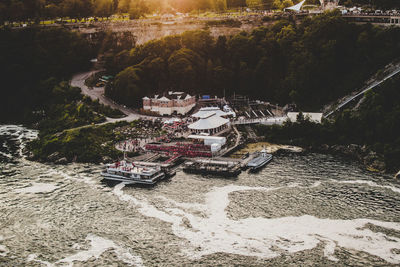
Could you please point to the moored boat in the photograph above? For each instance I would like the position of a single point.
(130, 173)
(261, 160)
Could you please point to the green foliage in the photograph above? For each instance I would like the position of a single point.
(281, 4)
(32, 62)
(224, 22)
(65, 108)
(375, 124)
(311, 63)
(80, 145)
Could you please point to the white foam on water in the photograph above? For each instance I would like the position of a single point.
(98, 246)
(370, 183)
(145, 208)
(195, 206)
(33, 257)
(74, 177)
(329, 249)
(6, 155)
(3, 249)
(37, 188)
(267, 238)
(20, 133)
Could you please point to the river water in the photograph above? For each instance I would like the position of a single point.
(301, 210)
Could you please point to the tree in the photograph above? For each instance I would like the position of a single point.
(287, 3)
(77, 8)
(235, 3)
(220, 5)
(103, 8)
(126, 87)
(184, 66)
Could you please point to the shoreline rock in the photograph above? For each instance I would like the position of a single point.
(53, 157)
(397, 175)
(372, 160)
(62, 161)
(270, 147)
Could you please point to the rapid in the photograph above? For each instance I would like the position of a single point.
(300, 210)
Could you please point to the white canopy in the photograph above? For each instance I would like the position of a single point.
(208, 123)
(296, 7)
(208, 111)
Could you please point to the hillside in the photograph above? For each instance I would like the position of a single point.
(310, 63)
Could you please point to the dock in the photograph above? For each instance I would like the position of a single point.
(213, 166)
(241, 161)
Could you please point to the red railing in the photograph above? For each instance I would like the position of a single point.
(187, 150)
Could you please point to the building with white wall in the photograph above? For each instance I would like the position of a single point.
(172, 102)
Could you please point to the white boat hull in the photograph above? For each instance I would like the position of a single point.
(129, 180)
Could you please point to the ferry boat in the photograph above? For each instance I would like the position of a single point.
(262, 159)
(130, 173)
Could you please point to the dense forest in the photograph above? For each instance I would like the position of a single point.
(28, 58)
(34, 65)
(14, 10)
(309, 64)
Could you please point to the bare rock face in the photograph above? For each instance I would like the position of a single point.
(397, 175)
(62, 161)
(106, 159)
(54, 157)
(353, 149)
(373, 160)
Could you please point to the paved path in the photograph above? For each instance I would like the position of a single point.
(265, 121)
(238, 136)
(78, 80)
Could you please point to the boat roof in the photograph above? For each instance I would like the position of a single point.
(136, 169)
(258, 160)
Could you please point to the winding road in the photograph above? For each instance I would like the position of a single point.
(78, 80)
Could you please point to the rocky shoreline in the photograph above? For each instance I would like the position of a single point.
(369, 158)
(372, 160)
